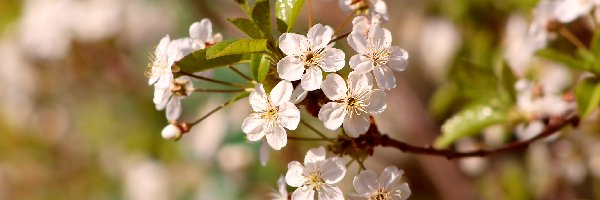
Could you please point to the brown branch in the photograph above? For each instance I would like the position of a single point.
(339, 37)
(386, 141)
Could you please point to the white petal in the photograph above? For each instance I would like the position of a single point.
(332, 60)
(358, 42)
(258, 98)
(381, 8)
(161, 97)
(318, 36)
(290, 68)
(384, 77)
(377, 102)
(390, 177)
(314, 155)
(404, 191)
(277, 137)
(359, 83)
(298, 95)
(311, 80)
(334, 87)
(294, 176)
(333, 170)
(360, 25)
(289, 116)
(398, 59)
(329, 192)
(365, 183)
(201, 30)
(254, 127)
(173, 108)
(293, 44)
(281, 93)
(264, 155)
(162, 46)
(361, 64)
(381, 37)
(357, 124)
(332, 114)
(281, 186)
(303, 193)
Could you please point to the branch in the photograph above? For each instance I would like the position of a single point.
(386, 141)
(339, 37)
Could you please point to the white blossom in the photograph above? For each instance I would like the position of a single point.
(387, 187)
(272, 113)
(362, 24)
(376, 53)
(365, 6)
(306, 57)
(351, 103)
(318, 174)
(540, 30)
(568, 10)
(202, 34)
(281, 193)
(171, 97)
(165, 55)
(518, 50)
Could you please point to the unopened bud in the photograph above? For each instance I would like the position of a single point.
(171, 132)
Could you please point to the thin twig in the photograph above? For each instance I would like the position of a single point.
(316, 131)
(238, 72)
(212, 80)
(339, 37)
(386, 141)
(350, 162)
(571, 37)
(216, 91)
(212, 112)
(305, 139)
(362, 165)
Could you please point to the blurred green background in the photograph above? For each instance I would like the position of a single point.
(77, 119)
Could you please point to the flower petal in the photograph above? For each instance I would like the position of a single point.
(384, 77)
(277, 137)
(358, 42)
(254, 127)
(377, 102)
(333, 170)
(173, 108)
(303, 193)
(311, 80)
(332, 60)
(329, 192)
(380, 7)
(201, 31)
(258, 98)
(404, 191)
(161, 97)
(298, 95)
(390, 177)
(361, 64)
(365, 183)
(281, 93)
(293, 176)
(357, 124)
(289, 116)
(398, 59)
(290, 68)
(314, 155)
(332, 114)
(334, 87)
(318, 36)
(360, 25)
(293, 44)
(264, 154)
(359, 83)
(381, 37)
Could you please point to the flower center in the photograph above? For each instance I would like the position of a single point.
(381, 195)
(312, 58)
(314, 180)
(179, 87)
(380, 57)
(270, 114)
(354, 104)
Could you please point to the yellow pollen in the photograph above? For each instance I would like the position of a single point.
(381, 195)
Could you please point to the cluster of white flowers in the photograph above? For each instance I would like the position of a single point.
(168, 90)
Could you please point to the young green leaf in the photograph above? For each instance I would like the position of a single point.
(261, 15)
(469, 122)
(236, 46)
(196, 62)
(443, 98)
(595, 46)
(563, 58)
(588, 95)
(287, 11)
(247, 26)
(260, 67)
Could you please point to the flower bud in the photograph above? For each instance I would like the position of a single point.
(171, 132)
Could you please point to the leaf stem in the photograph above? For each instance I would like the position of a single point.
(213, 80)
(238, 72)
(339, 37)
(213, 111)
(362, 165)
(316, 131)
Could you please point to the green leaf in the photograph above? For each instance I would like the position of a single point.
(196, 62)
(237, 46)
(563, 58)
(508, 80)
(260, 67)
(595, 46)
(469, 122)
(443, 99)
(588, 95)
(287, 12)
(261, 14)
(247, 26)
